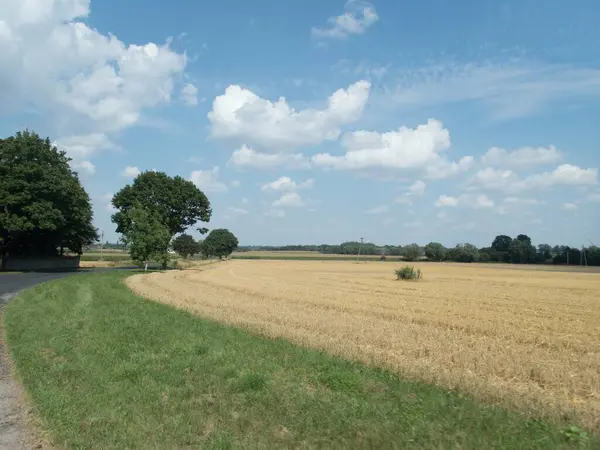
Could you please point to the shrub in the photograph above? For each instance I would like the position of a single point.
(408, 273)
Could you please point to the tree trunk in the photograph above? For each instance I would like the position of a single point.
(146, 266)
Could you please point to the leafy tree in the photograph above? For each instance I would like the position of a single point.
(43, 207)
(185, 245)
(177, 203)
(146, 236)
(435, 251)
(412, 252)
(502, 243)
(521, 251)
(219, 243)
(464, 253)
(544, 253)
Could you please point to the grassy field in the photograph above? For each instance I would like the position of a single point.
(108, 369)
(523, 338)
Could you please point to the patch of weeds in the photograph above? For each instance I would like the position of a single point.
(408, 273)
(340, 380)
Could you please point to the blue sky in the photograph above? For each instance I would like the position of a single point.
(319, 122)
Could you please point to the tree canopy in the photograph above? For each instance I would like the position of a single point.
(412, 252)
(178, 203)
(185, 245)
(435, 251)
(219, 243)
(43, 207)
(146, 236)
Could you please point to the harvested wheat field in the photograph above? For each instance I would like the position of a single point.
(524, 338)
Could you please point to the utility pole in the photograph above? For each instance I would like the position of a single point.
(359, 249)
(102, 246)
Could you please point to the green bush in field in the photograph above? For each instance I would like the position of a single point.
(408, 273)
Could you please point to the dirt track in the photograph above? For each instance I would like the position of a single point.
(525, 338)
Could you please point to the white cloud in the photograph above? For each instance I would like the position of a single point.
(208, 180)
(509, 91)
(289, 199)
(236, 183)
(286, 184)
(189, 94)
(244, 200)
(131, 172)
(359, 16)
(378, 210)
(85, 166)
(407, 148)
(478, 201)
(417, 188)
(249, 158)
(446, 200)
(54, 64)
(276, 213)
(521, 157)
(593, 197)
(242, 115)
(508, 181)
(570, 206)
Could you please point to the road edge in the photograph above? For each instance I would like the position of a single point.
(17, 428)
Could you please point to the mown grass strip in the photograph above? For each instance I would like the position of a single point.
(107, 369)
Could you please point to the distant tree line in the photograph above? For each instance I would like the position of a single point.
(503, 249)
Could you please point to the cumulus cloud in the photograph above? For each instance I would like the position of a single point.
(208, 180)
(416, 189)
(509, 181)
(84, 166)
(521, 157)
(446, 200)
(570, 206)
(80, 79)
(289, 199)
(358, 17)
(246, 157)
(240, 211)
(241, 115)
(286, 184)
(131, 172)
(189, 94)
(405, 149)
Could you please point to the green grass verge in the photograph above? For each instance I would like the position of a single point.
(108, 369)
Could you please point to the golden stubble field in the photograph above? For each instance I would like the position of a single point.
(525, 338)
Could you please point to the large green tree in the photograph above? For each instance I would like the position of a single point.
(146, 236)
(177, 203)
(43, 206)
(219, 243)
(435, 251)
(185, 245)
(412, 252)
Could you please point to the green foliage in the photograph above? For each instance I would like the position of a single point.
(501, 243)
(219, 243)
(434, 251)
(146, 236)
(408, 273)
(464, 253)
(185, 245)
(178, 203)
(576, 435)
(43, 207)
(412, 252)
(521, 251)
